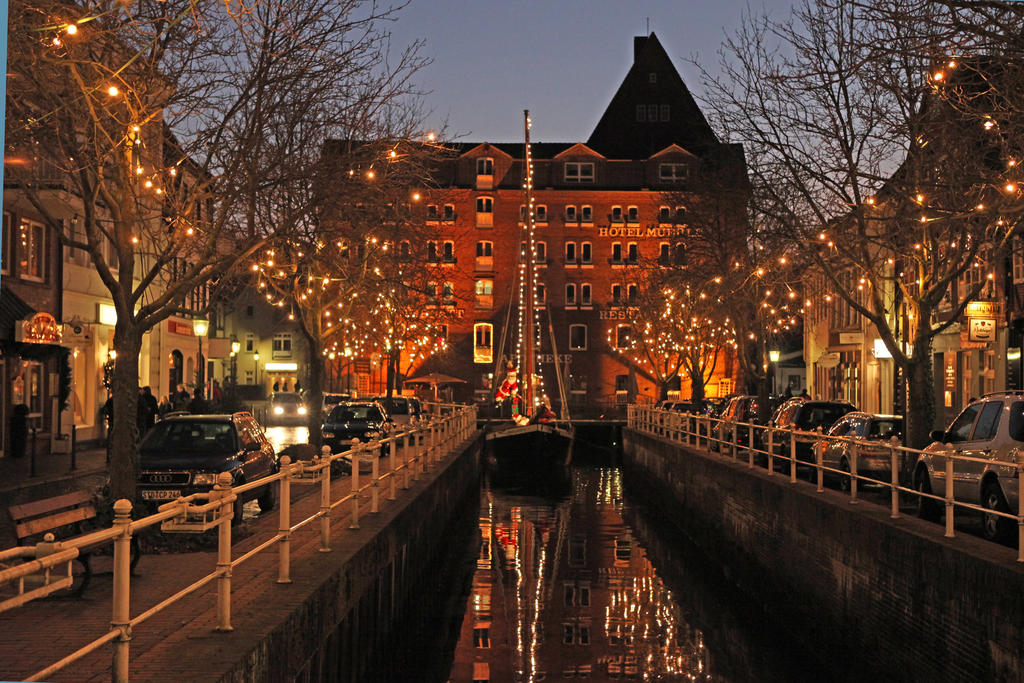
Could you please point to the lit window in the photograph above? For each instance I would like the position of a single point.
(484, 293)
(484, 167)
(481, 637)
(282, 345)
(483, 335)
(484, 255)
(32, 251)
(672, 173)
(579, 172)
(577, 337)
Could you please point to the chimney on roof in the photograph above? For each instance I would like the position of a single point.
(638, 46)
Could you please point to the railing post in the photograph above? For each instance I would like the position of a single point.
(950, 533)
(393, 487)
(375, 484)
(894, 478)
(354, 456)
(418, 439)
(226, 513)
(407, 455)
(853, 473)
(734, 441)
(325, 499)
(121, 617)
(284, 526)
(750, 447)
(818, 457)
(771, 449)
(792, 456)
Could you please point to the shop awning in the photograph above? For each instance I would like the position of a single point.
(12, 311)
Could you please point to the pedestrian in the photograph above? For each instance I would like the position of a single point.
(152, 408)
(788, 393)
(297, 387)
(215, 393)
(164, 406)
(277, 386)
(804, 395)
(108, 415)
(198, 404)
(181, 398)
(286, 385)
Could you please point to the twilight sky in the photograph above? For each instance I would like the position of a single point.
(561, 59)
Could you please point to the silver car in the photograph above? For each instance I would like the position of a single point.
(991, 432)
(870, 434)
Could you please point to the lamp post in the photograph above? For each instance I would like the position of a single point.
(256, 366)
(236, 346)
(773, 358)
(201, 326)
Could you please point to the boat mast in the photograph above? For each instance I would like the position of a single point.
(531, 284)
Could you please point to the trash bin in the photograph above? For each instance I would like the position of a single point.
(19, 430)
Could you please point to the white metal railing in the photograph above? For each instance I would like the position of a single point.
(409, 455)
(763, 445)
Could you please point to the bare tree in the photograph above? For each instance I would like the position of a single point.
(169, 122)
(858, 164)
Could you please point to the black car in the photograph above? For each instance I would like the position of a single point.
(184, 454)
(363, 420)
(804, 417)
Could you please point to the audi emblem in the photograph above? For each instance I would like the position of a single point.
(161, 478)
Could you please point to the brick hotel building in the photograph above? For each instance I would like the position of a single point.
(605, 209)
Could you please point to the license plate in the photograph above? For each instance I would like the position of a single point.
(159, 495)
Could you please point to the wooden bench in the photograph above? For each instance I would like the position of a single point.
(74, 511)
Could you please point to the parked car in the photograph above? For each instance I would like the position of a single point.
(804, 417)
(330, 400)
(741, 408)
(363, 420)
(286, 408)
(991, 430)
(871, 434)
(184, 454)
(405, 411)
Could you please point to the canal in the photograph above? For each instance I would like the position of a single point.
(574, 576)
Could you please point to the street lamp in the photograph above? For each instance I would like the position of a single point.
(201, 326)
(256, 366)
(236, 346)
(773, 358)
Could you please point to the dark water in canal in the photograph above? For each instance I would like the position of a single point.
(571, 576)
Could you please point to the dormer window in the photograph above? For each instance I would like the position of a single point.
(579, 171)
(672, 173)
(485, 166)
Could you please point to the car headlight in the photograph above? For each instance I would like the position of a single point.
(204, 478)
(278, 410)
(327, 435)
(302, 410)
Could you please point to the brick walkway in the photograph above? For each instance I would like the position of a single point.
(179, 643)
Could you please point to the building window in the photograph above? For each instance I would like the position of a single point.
(570, 294)
(570, 214)
(664, 110)
(633, 253)
(570, 252)
(577, 337)
(633, 214)
(32, 251)
(484, 212)
(579, 172)
(250, 342)
(664, 214)
(672, 173)
(680, 214)
(652, 113)
(448, 293)
(448, 253)
(484, 255)
(522, 213)
(484, 293)
(449, 212)
(616, 294)
(1018, 258)
(432, 214)
(441, 333)
(432, 254)
(541, 213)
(622, 336)
(586, 253)
(616, 215)
(616, 253)
(481, 637)
(542, 295)
(282, 345)
(631, 293)
(404, 251)
(483, 337)
(587, 213)
(641, 113)
(585, 294)
(541, 250)
(485, 166)
(664, 254)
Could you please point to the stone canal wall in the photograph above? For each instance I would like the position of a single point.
(891, 597)
(334, 625)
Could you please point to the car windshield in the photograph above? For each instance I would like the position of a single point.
(173, 436)
(350, 413)
(287, 398)
(820, 415)
(885, 429)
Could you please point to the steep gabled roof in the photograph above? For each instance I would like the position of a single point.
(651, 81)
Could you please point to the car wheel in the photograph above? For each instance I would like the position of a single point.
(267, 499)
(926, 507)
(994, 527)
(844, 478)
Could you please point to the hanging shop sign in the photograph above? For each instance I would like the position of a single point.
(180, 327)
(42, 328)
(828, 360)
(981, 329)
